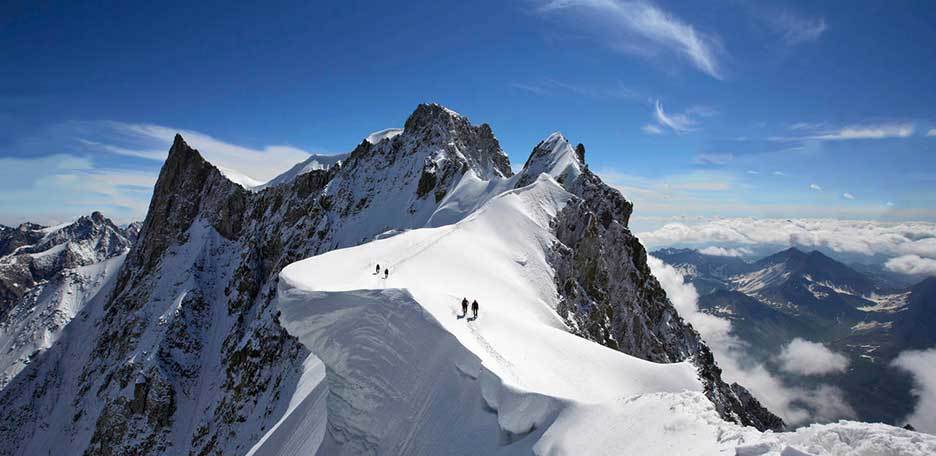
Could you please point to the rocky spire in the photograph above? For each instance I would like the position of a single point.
(187, 183)
(436, 124)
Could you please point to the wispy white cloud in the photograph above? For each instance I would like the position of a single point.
(153, 142)
(848, 196)
(798, 29)
(87, 174)
(651, 129)
(679, 123)
(790, 25)
(57, 188)
(550, 87)
(637, 27)
(922, 364)
(803, 357)
(726, 252)
(815, 187)
(857, 132)
(752, 172)
(869, 132)
(798, 126)
(779, 173)
(713, 159)
(931, 132)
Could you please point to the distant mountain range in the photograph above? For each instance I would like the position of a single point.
(46, 275)
(809, 295)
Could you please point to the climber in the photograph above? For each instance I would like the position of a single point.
(474, 308)
(386, 272)
(378, 269)
(464, 306)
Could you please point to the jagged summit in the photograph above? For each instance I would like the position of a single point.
(439, 127)
(556, 157)
(432, 113)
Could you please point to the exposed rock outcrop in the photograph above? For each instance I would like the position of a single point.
(609, 295)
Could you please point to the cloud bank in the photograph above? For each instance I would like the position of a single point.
(794, 404)
(922, 364)
(912, 244)
(726, 252)
(810, 358)
(912, 265)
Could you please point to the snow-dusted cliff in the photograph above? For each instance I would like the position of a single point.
(47, 274)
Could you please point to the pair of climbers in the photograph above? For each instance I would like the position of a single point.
(474, 307)
(386, 271)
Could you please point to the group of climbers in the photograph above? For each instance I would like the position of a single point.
(474, 307)
(474, 303)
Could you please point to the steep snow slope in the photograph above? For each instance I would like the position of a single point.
(497, 256)
(406, 373)
(35, 322)
(240, 178)
(313, 163)
(518, 356)
(381, 135)
(46, 277)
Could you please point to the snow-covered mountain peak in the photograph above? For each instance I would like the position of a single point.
(428, 113)
(556, 157)
(451, 135)
(181, 156)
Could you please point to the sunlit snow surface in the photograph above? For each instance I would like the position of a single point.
(381, 135)
(396, 369)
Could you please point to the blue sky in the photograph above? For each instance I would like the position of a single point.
(716, 109)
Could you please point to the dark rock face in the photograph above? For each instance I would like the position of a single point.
(580, 152)
(477, 144)
(254, 354)
(609, 295)
(12, 238)
(176, 201)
